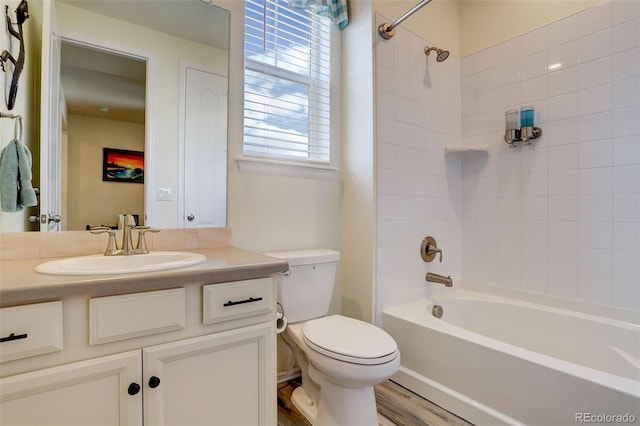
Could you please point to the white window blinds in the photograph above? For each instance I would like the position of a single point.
(286, 104)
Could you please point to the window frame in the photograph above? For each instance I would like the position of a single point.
(250, 160)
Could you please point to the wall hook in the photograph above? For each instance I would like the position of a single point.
(22, 14)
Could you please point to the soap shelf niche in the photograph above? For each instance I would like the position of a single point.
(466, 151)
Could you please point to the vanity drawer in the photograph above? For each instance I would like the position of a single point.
(129, 316)
(30, 330)
(237, 299)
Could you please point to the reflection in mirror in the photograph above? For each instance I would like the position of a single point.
(105, 102)
(155, 46)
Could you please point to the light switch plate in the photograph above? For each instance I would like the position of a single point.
(164, 194)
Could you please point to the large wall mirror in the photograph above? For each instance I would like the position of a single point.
(137, 79)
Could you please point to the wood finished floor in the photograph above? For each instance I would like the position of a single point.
(396, 406)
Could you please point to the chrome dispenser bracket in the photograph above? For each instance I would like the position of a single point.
(524, 135)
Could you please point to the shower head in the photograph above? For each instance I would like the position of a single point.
(442, 54)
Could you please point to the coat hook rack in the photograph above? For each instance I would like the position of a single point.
(22, 14)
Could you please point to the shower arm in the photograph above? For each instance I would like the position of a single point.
(387, 31)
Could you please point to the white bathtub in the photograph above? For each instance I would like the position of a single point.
(495, 360)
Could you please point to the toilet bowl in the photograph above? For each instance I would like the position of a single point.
(344, 358)
(340, 358)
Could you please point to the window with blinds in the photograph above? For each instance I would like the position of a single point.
(286, 91)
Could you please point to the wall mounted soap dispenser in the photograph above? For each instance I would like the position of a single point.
(522, 130)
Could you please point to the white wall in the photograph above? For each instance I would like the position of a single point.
(561, 216)
(484, 23)
(26, 101)
(275, 212)
(90, 201)
(366, 277)
(418, 188)
(358, 166)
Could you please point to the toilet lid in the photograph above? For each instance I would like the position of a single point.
(350, 340)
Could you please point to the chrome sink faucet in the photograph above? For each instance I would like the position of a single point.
(127, 242)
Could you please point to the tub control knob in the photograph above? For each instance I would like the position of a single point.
(429, 249)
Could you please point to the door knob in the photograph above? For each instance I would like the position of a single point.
(45, 218)
(55, 218)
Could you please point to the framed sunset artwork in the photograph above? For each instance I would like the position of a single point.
(121, 165)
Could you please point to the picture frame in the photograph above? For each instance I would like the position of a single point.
(121, 165)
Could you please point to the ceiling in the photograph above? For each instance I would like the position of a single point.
(94, 80)
(101, 84)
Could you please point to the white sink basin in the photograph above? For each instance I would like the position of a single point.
(103, 265)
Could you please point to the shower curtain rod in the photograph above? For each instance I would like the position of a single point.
(387, 31)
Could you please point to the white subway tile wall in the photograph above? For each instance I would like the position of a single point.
(558, 217)
(418, 189)
(568, 206)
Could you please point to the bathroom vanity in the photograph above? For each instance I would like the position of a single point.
(189, 346)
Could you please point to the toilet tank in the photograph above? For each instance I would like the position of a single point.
(305, 292)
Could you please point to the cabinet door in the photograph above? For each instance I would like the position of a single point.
(93, 392)
(226, 378)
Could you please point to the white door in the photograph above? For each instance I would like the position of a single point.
(96, 392)
(226, 378)
(205, 148)
(50, 122)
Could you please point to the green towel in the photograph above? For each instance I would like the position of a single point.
(16, 190)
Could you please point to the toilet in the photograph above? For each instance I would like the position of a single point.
(341, 358)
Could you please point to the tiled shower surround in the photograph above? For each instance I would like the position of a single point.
(558, 217)
(418, 189)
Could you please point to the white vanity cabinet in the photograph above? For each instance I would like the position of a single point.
(91, 392)
(197, 373)
(217, 379)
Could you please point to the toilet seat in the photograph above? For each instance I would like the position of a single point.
(349, 340)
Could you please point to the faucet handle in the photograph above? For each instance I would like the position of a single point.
(100, 229)
(429, 248)
(129, 221)
(112, 245)
(434, 250)
(141, 246)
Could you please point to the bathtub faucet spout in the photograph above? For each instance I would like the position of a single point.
(440, 279)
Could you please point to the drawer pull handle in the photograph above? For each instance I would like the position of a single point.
(240, 302)
(13, 336)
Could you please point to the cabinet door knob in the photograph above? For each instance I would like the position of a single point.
(133, 389)
(154, 382)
